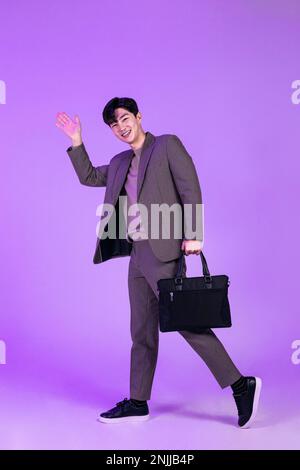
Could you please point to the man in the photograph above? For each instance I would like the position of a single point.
(157, 170)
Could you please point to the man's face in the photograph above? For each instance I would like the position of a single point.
(126, 121)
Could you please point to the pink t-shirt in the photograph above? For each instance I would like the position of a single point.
(131, 191)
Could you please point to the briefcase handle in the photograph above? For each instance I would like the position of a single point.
(205, 269)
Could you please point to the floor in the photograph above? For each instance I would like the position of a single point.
(38, 417)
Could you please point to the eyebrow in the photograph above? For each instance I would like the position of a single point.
(125, 114)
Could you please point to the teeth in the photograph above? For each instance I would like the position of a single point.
(126, 133)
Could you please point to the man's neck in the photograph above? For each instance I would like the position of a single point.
(139, 142)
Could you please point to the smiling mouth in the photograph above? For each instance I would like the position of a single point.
(126, 134)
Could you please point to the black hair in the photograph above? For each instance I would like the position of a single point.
(108, 113)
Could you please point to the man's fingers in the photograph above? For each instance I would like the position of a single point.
(62, 120)
(63, 117)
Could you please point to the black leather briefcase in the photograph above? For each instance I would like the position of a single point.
(194, 303)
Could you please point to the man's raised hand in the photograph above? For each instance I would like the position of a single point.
(70, 127)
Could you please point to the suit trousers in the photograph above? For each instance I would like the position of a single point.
(143, 273)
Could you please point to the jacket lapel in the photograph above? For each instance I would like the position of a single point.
(121, 175)
(147, 149)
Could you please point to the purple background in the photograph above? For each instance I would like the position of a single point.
(217, 74)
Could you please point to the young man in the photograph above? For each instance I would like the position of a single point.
(156, 170)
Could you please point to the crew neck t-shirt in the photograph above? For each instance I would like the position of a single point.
(131, 191)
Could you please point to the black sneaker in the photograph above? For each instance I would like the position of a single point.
(125, 411)
(247, 402)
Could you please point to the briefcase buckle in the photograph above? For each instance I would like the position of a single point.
(178, 283)
(208, 281)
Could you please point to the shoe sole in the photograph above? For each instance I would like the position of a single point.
(126, 419)
(255, 403)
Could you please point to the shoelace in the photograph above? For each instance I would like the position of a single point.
(123, 402)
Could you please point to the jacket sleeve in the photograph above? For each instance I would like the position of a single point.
(86, 172)
(187, 184)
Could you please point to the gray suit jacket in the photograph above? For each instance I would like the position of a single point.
(166, 175)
